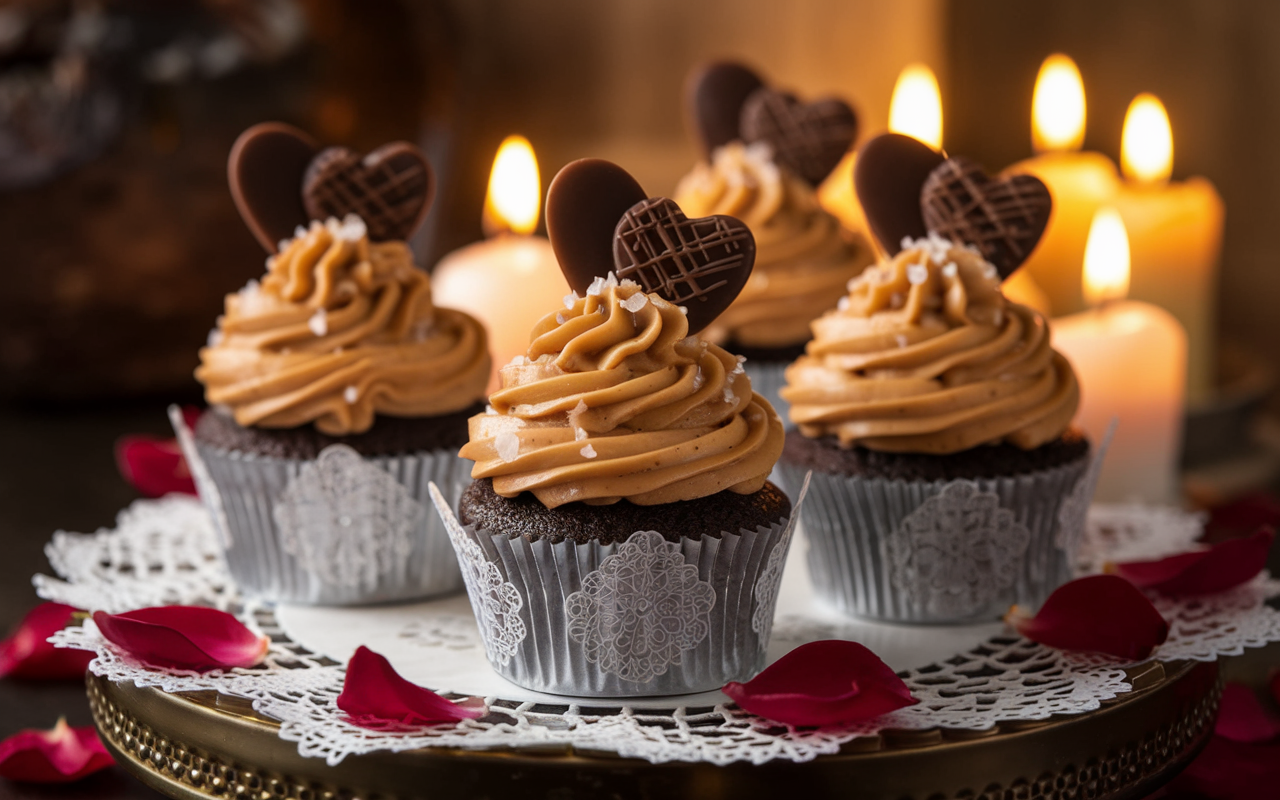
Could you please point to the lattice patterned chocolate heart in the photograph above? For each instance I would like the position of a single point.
(700, 264)
(714, 96)
(391, 188)
(265, 171)
(888, 175)
(1002, 217)
(807, 138)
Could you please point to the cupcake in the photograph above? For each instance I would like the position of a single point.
(932, 410)
(620, 537)
(337, 390)
(765, 153)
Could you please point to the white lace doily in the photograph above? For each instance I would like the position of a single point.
(164, 552)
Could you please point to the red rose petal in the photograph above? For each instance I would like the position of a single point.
(155, 466)
(59, 755)
(28, 654)
(186, 637)
(1241, 516)
(1227, 770)
(374, 692)
(1098, 614)
(1242, 718)
(823, 683)
(1223, 566)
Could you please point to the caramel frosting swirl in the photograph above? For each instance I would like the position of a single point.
(615, 401)
(803, 259)
(341, 329)
(925, 355)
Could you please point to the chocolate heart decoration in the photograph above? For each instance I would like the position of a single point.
(888, 175)
(1002, 217)
(265, 171)
(714, 94)
(391, 188)
(807, 138)
(700, 264)
(584, 203)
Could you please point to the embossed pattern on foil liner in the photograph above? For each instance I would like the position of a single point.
(644, 617)
(340, 529)
(870, 557)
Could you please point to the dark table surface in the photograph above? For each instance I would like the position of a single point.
(57, 471)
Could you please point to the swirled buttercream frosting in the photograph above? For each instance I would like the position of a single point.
(925, 355)
(341, 329)
(803, 259)
(615, 401)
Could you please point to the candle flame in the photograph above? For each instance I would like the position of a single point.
(515, 190)
(1146, 146)
(916, 107)
(1057, 106)
(1106, 258)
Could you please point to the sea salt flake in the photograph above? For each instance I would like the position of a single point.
(507, 444)
(579, 434)
(319, 322)
(683, 310)
(517, 361)
(917, 274)
(698, 379)
(950, 270)
(570, 300)
(729, 396)
(842, 304)
(560, 319)
(215, 338)
(635, 302)
(351, 394)
(997, 317)
(901, 339)
(588, 451)
(596, 287)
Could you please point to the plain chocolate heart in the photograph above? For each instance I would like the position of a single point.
(807, 138)
(584, 203)
(700, 264)
(390, 189)
(888, 175)
(265, 170)
(714, 95)
(1003, 218)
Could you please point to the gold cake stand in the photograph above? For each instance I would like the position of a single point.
(202, 745)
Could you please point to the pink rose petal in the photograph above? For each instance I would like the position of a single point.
(185, 637)
(1223, 566)
(155, 466)
(1242, 718)
(28, 654)
(823, 683)
(1098, 614)
(59, 755)
(374, 692)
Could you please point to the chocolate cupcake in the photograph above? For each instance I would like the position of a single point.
(621, 537)
(933, 412)
(765, 155)
(338, 392)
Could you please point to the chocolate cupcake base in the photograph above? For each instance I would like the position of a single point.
(643, 616)
(339, 528)
(523, 515)
(914, 540)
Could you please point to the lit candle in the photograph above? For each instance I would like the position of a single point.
(1175, 234)
(1079, 182)
(510, 280)
(1130, 358)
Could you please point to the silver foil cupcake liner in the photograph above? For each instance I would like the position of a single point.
(943, 551)
(768, 378)
(644, 617)
(339, 529)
